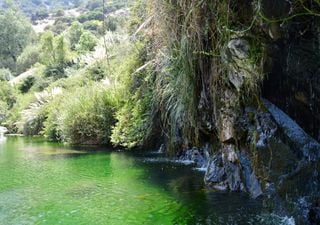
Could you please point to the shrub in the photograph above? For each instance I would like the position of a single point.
(74, 34)
(97, 71)
(34, 115)
(5, 75)
(29, 56)
(111, 24)
(55, 54)
(87, 116)
(87, 42)
(93, 25)
(7, 94)
(133, 127)
(3, 111)
(92, 15)
(26, 84)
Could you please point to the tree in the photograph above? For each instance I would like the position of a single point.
(75, 32)
(15, 34)
(87, 42)
(29, 56)
(55, 54)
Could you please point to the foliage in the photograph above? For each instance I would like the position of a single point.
(7, 99)
(91, 15)
(26, 84)
(5, 75)
(86, 117)
(111, 23)
(55, 54)
(87, 42)
(34, 115)
(74, 34)
(7, 94)
(29, 57)
(97, 71)
(134, 113)
(94, 26)
(15, 34)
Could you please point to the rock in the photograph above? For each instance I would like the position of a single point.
(223, 172)
(303, 143)
(314, 213)
(196, 155)
(236, 78)
(233, 177)
(227, 134)
(239, 48)
(292, 83)
(215, 172)
(252, 183)
(229, 153)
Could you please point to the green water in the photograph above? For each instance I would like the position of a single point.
(48, 183)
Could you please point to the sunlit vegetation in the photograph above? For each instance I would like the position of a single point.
(122, 72)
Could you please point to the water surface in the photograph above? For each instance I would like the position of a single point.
(49, 183)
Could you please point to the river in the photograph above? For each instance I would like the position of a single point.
(50, 183)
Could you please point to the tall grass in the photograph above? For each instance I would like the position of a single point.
(190, 40)
(86, 116)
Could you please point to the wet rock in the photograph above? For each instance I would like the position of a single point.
(252, 183)
(239, 48)
(314, 213)
(223, 172)
(229, 153)
(233, 177)
(293, 80)
(196, 155)
(215, 172)
(303, 143)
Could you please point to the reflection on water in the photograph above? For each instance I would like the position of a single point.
(2, 137)
(48, 183)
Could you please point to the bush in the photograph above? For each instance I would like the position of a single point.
(5, 75)
(94, 25)
(87, 42)
(87, 116)
(7, 94)
(97, 71)
(92, 15)
(111, 24)
(133, 127)
(74, 34)
(29, 56)
(35, 113)
(3, 111)
(14, 115)
(26, 84)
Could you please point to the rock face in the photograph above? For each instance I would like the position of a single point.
(293, 79)
(269, 49)
(262, 150)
